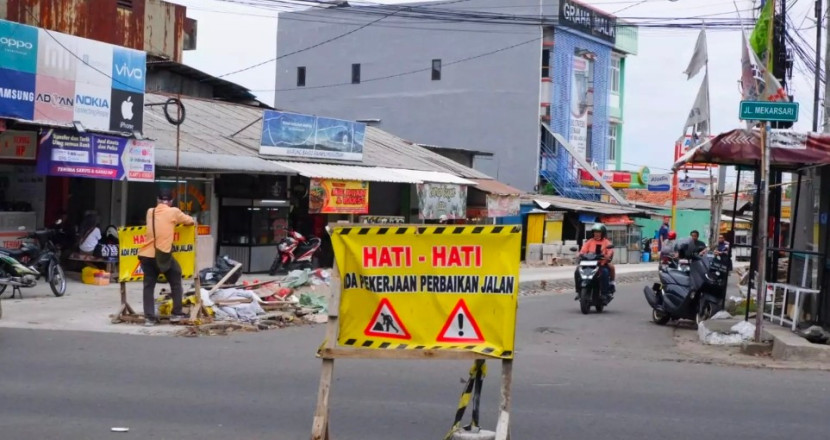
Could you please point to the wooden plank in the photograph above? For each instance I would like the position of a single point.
(320, 425)
(503, 426)
(392, 354)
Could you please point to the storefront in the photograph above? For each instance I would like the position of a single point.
(490, 200)
(22, 190)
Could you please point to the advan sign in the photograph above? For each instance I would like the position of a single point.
(54, 78)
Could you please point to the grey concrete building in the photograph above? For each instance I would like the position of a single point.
(473, 84)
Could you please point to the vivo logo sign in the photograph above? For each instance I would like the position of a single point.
(17, 44)
(125, 70)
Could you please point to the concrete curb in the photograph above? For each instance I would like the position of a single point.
(791, 347)
(568, 283)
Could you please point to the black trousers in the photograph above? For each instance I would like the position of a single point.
(151, 274)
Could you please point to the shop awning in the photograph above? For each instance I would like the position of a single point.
(495, 187)
(789, 149)
(585, 206)
(218, 163)
(370, 174)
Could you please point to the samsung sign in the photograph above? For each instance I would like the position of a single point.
(590, 21)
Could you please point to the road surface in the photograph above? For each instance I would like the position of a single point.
(613, 375)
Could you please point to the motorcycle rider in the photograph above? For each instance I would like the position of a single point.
(607, 269)
(692, 246)
(668, 252)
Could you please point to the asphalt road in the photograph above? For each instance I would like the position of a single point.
(613, 375)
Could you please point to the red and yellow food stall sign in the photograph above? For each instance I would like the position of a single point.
(338, 197)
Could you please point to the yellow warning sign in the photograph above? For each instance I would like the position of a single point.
(132, 238)
(429, 287)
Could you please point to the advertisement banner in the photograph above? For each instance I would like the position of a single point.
(437, 199)
(298, 135)
(660, 182)
(338, 197)
(19, 145)
(132, 238)
(411, 288)
(50, 77)
(69, 154)
(502, 206)
(579, 107)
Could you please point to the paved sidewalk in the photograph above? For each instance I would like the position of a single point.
(90, 308)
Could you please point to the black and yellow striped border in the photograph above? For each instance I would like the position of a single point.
(427, 230)
(484, 349)
(130, 228)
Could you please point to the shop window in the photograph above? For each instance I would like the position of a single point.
(616, 68)
(613, 130)
(355, 73)
(436, 70)
(301, 76)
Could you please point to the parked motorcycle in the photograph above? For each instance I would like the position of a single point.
(224, 264)
(294, 252)
(25, 266)
(588, 282)
(696, 293)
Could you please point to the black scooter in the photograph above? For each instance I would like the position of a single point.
(588, 283)
(25, 266)
(694, 292)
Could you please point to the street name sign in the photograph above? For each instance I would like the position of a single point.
(769, 111)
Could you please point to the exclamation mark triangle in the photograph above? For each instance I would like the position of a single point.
(460, 326)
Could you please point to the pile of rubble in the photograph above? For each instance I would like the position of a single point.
(296, 299)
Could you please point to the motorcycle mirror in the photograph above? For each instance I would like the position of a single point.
(611, 246)
(58, 222)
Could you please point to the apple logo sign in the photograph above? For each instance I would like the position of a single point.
(127, 108)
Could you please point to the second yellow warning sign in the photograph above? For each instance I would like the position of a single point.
(429, 287)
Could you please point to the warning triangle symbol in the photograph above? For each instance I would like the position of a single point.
(460, 326)
(137, 272)
(385, 323)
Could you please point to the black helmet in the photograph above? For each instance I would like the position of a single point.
(601, 228)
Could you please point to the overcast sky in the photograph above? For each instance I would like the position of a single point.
(658, 96)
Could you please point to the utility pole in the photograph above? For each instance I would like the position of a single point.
(826, 127)
(762, 222)
(817, 89)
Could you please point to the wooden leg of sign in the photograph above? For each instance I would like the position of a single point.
(320, 425)
(503, 425)
(125, 309)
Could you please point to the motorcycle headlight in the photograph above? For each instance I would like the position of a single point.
(282, 247)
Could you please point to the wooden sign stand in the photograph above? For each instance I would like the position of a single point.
(331, 351)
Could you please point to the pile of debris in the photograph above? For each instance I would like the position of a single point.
(296, 299)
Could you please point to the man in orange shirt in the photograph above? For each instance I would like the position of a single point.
(600, 240)
(161, 221)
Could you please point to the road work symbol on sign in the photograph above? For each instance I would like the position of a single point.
(385, 323)
(460, 326)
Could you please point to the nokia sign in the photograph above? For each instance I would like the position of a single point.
(588, 20)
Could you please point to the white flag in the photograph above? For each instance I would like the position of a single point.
(700, 57)
(757, 83)
(699, 115)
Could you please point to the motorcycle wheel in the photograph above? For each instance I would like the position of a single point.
(584, 301)
(57, 279)
(598, 304)
(3, 288)
(1, 309)
(275, 266)
(706, 311)
(660, 318)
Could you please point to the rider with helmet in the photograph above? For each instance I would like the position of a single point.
(668, 247)
(600, 238)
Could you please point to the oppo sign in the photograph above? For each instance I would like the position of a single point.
(16, 44)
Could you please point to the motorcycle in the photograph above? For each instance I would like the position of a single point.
(588, 283)
(224, 264)
(294, 252)
(694, 292)
(25, 266)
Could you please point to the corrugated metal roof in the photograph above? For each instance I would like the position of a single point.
(218, 162)
(495, 187)
(567, 204)
(370, 174)
(217, 127)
